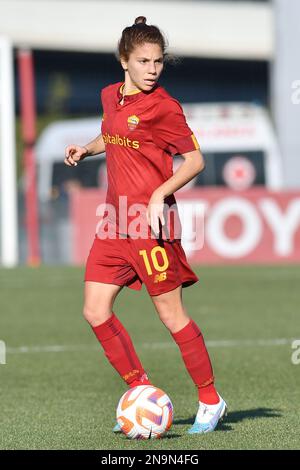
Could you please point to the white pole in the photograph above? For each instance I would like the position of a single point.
(285, 88)
(8, 199)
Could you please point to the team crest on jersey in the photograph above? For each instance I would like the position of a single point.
(132, 122)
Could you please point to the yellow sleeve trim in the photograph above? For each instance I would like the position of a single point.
(195, 141)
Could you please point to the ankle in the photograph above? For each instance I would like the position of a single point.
(143, 380)
(208, 395)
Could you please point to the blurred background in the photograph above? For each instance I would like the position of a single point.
(236, 75)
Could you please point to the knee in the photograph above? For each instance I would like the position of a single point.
(174, 320)
(169, 322)
(95, 315)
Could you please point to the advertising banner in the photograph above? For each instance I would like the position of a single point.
(219, 226)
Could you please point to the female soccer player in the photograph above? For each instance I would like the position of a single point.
(142, 128)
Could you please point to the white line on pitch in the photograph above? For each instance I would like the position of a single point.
(231, 343)
(153, 346)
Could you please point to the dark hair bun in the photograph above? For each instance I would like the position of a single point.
(140, 20)
(139, 33)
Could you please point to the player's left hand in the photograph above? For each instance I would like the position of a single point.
(155, 212)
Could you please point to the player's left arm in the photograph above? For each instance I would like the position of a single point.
(193, 165)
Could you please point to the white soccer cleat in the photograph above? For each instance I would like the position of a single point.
(208, 417)
(117, 428)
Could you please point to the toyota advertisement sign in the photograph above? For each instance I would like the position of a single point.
(218, 225)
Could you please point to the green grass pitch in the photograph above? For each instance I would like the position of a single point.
(59, 392)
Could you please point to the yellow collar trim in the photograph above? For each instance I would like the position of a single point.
(134, 92)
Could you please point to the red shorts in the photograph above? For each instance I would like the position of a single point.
(160, 264)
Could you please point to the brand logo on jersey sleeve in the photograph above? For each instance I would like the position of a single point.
(132, 122)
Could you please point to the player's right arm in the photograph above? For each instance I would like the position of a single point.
(76, 153)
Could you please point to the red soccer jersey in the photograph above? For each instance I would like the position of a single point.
(140, 137)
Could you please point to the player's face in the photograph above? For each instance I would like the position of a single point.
(144, 66)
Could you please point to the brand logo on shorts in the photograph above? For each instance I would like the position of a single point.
(160, 277)
(132, 122)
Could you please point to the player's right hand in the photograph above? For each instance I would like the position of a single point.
(73, 154)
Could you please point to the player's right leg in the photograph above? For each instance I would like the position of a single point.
(113, 337)
(115, 340)
(99, 299)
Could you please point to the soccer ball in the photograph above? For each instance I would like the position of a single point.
(144, 412)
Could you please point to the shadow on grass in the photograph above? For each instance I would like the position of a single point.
(170, 436)
(162, 438)
(236, 417)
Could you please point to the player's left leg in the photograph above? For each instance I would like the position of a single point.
(190, 340)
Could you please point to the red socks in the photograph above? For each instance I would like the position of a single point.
(120, 352)
(197, 362)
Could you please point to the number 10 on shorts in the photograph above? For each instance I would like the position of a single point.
(154, 260)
